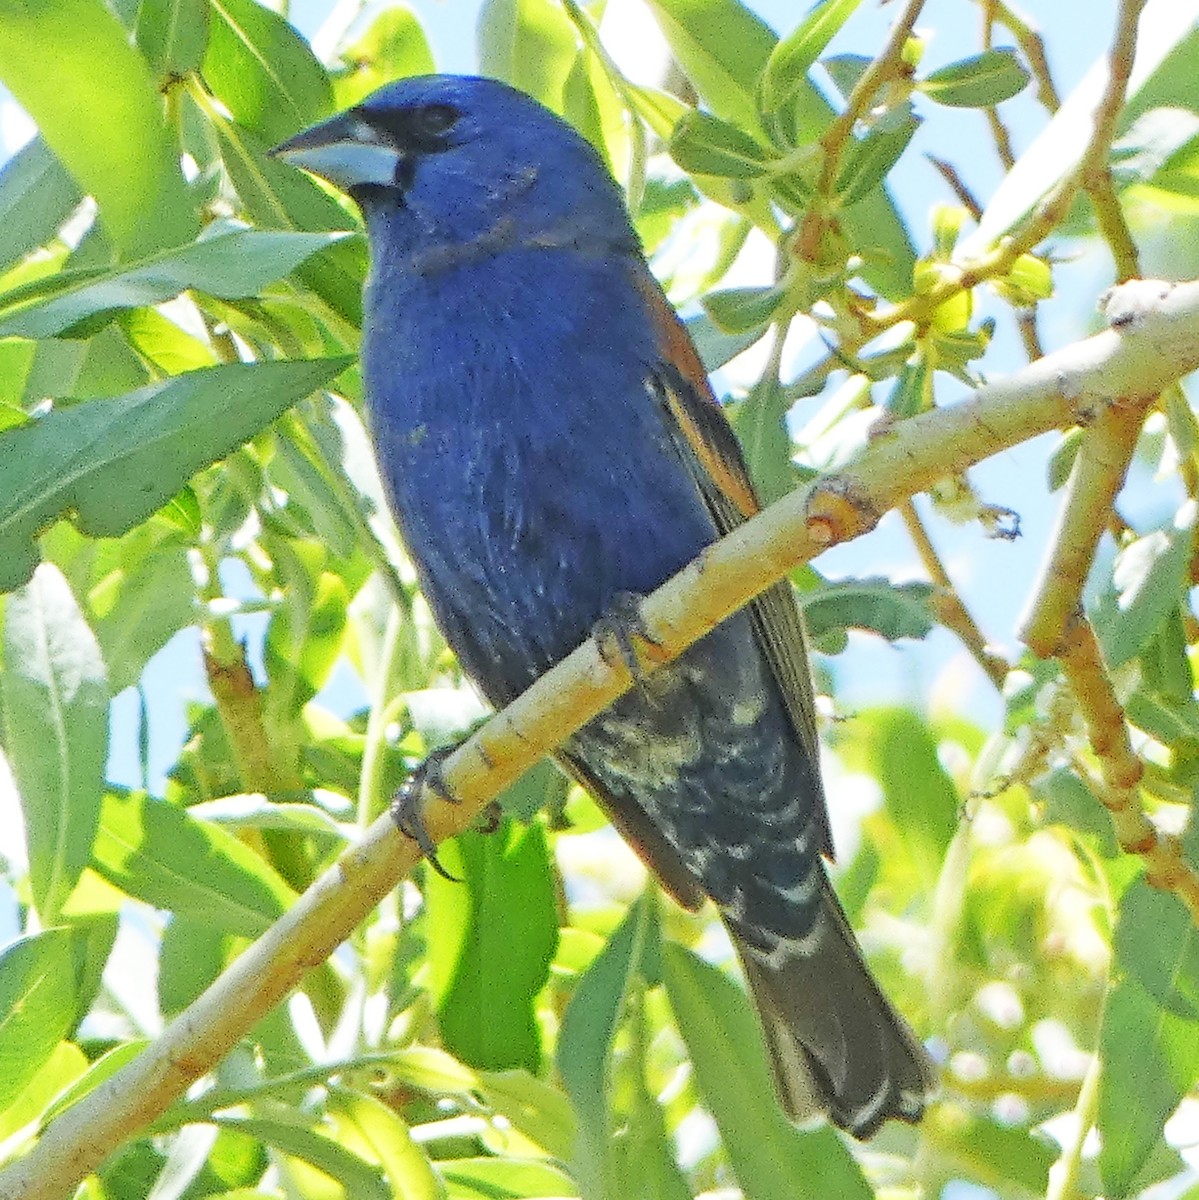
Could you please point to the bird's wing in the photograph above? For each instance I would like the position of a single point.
(714, 456)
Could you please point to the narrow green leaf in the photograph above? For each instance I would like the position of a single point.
(537, 1108)
(585, 1043)
(122, 153)
(37, 1006)
(192, 955)
(277, 196)
(769, 1155)
(875, 604)
(705, 145)
(228, 264)
(393, 47)
(36, 197)
(173, 35)
(870, 160)
(505, 1179)
(530, 44)
(787, 68)
(491, 943)
(106, 1066)
(55, 699)
(760, 424)
(143, 595)
(374, 1124)
(1068, 801)
(740, 310)
(1158, 945)
(361, 1179)
(722, 47)
(264, 72)
(157, 853)
(1149, 577)
(1163, 74)
(981, 81)
(115, 461)
(919, 795)
(1150, 1061)
(64, 1066)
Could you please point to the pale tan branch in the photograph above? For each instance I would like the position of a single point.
(1120, 767)
(1154, 341)
(1095, 481)
(952, 613)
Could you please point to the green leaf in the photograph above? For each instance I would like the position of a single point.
(113, 462)
(530, 44)
(122, 152)
(1061, 461)
(760, 424)
(993, 1155)
(981, 81)
(1148, 577)
(263, 71)
(228, 264)
(505, 1179)
(585, 1042)
(1157, 943)
(64, 1066)
(393, 47)
(38, 1005)
(143, 595)
(173, 36)
(105, 1067)
(491, 943)
(1068, 801)
(1150, 1061)
(537, 1108)
(722, 47)
(276, 196)
(872, 157)
(746, 309)
(55, 702)
(191, 955)
(875, 604)
(769, 1155)
(919, 795)
(156, 852)
(374, 1124)
(1163, 74)
(360, 1179)
(705, 145)
(787, 68)
(36, 197)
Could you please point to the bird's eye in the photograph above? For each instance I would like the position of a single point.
(434, 120)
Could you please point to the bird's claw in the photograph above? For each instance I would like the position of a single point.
(406, 806)
(619, 631)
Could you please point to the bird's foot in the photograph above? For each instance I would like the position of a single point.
(407, 809)
(621, 631)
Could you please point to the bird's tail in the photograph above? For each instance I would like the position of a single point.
(836, 1045)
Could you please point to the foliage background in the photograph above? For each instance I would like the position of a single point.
(181, 448)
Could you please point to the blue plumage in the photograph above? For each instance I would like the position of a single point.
(549, 441)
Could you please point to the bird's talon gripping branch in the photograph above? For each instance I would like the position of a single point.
(620, 631)
(407, 807)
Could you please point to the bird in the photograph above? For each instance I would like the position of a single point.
(551, 446)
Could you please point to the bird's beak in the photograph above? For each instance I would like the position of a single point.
(345, 150)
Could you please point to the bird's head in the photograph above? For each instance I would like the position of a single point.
(451, 160)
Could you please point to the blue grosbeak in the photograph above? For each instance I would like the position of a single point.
(550, 443)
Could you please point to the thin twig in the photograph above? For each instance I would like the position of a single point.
(1095, 170)
(1095, 481)
(1121, 768)
(952, 612)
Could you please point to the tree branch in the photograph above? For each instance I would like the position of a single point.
(1153, 342)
